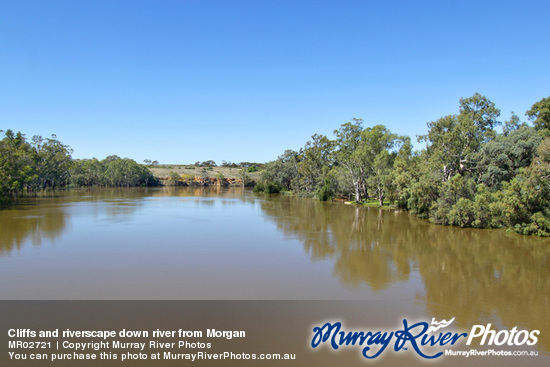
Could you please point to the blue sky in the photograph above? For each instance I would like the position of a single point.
(182, 81)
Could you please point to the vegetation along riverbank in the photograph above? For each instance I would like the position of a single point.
(470, 174)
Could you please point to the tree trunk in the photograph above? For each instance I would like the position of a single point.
(357, 192)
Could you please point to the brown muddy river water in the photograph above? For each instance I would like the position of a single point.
(230, 244)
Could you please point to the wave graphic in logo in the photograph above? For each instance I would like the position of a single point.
(439, 325)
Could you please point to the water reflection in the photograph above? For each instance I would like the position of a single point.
(35, 219)
(477, 276)
(46, 217)
(29, 224)
(365, 244)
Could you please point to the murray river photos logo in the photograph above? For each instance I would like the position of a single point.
(425, 339)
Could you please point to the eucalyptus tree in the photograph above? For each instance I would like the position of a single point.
(53, 162)
(453, 140)
(283, 170)
(405, 170)
(501, 159)
(243, 175)
(28, 167)
(513, 124)
(368, 156)
(540, 115)
(124, 172)
(524, 203)
(87, 172)
(378, 146)
(316, 160)
(350, 153)
(17, 168)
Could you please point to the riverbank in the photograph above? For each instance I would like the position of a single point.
(372, 203)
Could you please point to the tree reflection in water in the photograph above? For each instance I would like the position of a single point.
(477, 276)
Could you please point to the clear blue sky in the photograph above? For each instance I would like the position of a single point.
(182, 81)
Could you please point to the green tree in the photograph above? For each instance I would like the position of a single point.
(284, 170)
(244, 177)
(316, 161)
(443, 150)
(368, 156)
(406, 169)
(378, 144)
(478, 118)
(17, 169)
(113, 171)
(422, 193)
(500, 159)
(87, 172)
(450, 193)
(53, 162)
(209, 163)
(454, 140)
(525, 200)
(351, 154)
(540, 115)
(513, 124)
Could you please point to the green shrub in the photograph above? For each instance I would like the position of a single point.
(539, 226)
(259, 187)
(462, 214)
(268, 187)
(325, 192)
(272, 188)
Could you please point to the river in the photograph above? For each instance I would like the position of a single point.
(231, 244)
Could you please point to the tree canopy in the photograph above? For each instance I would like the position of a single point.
(540, 115)
(470, 174)
(29, 166)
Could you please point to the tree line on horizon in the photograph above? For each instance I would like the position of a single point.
(469, 174)
(39, 164)
(29, 166)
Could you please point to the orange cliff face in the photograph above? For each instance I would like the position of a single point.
(200, 181)
(204, 181)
